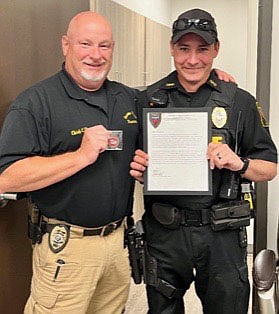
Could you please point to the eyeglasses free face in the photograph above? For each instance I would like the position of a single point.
(200, 24)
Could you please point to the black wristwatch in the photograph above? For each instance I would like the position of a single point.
(245, 165)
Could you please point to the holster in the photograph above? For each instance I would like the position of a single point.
(35, 228)
(35, 233)
(144, 266)
(135, 242)
(151, 278)
(167, 215)
(230, 215)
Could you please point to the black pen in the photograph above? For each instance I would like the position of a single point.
(60, 262)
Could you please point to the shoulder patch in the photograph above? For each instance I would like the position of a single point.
(263, 119)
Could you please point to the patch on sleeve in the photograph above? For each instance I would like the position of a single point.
(263, 119)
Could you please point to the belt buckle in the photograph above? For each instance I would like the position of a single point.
(108, 229)
(193, 219)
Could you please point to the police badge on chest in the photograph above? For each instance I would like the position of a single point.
(58, 237)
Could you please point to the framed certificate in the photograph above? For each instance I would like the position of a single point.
(176, 141)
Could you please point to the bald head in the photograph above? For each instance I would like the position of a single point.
(88, 49)
(88, 18)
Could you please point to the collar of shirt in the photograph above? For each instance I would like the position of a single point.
(75, 92)
(171, 82)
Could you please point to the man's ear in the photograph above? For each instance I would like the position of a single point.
(216, 48)
(65, 44)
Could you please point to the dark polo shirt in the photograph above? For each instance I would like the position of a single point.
(49, 119)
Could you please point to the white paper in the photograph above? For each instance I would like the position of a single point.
(177, 152)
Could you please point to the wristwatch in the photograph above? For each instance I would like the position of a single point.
(245, 165)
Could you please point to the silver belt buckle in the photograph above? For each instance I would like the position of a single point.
(108, 229)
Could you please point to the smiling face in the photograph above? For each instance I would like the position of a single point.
(193, 59)
(88, 50)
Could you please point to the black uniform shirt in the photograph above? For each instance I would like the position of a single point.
(49, 119)
(254, 140)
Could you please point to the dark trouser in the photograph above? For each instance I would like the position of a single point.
(221, 273)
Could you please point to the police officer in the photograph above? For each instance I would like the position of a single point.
(68, 141)
(184, 243)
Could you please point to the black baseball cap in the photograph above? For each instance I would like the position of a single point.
(195, 21)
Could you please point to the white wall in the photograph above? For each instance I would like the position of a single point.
(273, 201)
(157, 10)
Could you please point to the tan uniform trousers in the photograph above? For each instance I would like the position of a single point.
(94, 278)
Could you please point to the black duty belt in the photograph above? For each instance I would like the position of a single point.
(197, 218)
(102, 231)
(172, 217)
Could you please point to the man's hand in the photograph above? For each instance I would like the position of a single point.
(94, 142)
(138, 165)
(221, 156)
(224, 76)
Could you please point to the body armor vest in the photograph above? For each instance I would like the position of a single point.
(221, 132)
(218, 100)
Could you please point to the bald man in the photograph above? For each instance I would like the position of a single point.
(67, 141)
